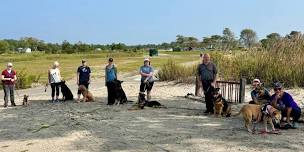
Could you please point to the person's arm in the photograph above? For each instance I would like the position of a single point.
(15, 77)
(274, 101)
(77, 80)
(4, 79)
(115, 71)
(49, 76)
(214, 75)
(59, 75)
(106, 76)
(254, 98)
(89, 75)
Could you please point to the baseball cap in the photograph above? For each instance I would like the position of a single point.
(277, 85)
(110, 59)
(83, 60)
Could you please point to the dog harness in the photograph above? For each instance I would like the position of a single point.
(267, 110)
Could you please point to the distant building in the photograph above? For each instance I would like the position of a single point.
(24, 50)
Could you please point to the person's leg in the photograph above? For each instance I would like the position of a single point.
(295, 114)
(53, 91)
(6, 93)
(111, 97)
(57, 91)
(12, 95)
(208, 96)
(149, 88)
(142, 87)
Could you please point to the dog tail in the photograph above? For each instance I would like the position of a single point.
(234, 115)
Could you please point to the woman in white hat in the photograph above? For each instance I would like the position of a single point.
(255, 93)
(9, 78)
(146, 72)
(54, 79)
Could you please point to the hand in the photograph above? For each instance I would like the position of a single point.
(89, 81)
(277, 96)
(145, 81)
(213, 84)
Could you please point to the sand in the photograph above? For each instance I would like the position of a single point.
(70, 126)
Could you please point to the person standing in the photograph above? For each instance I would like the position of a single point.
(54, 79)
(207, 72)
(9, 78)
(83, 76)
(146, 72)
(110, 76)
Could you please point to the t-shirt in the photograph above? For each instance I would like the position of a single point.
(84, 73)
(207, 71)
(8, 74)
(111, 73)
(146, 70)
(286, 101)
(54, 76)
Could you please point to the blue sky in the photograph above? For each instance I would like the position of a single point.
(144, 21)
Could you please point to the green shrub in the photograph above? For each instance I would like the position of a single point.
(25, 80)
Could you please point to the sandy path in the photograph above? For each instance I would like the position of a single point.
(98, 127)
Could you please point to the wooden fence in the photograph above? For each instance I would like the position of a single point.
(232, 91)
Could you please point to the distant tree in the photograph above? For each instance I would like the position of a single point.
(228, 39)
(118, 46)
(294, 35)
(213, 42)
(270, 39)
(4, 46)
(248, 38)
(66, 47)
(180, 41)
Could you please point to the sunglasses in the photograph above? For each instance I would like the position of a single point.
(276, 89)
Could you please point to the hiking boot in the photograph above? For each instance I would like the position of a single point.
(13, 104)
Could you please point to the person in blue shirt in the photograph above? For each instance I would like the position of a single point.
(83, 76)
(284, 102)
(146, 72)
(110, 76)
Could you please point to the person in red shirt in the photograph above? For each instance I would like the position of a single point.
(9, 78)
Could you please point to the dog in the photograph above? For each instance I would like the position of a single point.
(142, 102)
(66, 92)
(252, 114)
(87, 95)
(120, 95)
(261, 98)
(25, 100)
(221, 107)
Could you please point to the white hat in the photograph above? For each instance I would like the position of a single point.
(146, 59)
(9, 64)
(256, 80)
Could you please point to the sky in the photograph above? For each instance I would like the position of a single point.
(144, 21)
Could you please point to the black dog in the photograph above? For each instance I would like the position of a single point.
(142, 102)
(66, 92)
(120, 95)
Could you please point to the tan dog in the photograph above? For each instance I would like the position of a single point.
(25, 100)
(87, 95)
(260, 99)
(253, 114)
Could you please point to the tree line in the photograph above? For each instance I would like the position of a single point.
(227, 41)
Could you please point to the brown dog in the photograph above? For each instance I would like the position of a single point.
(221, 107)
(25, 100)
(253, 114)
(87, 95)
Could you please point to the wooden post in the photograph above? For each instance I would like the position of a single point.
(198, 86)
(242, 90)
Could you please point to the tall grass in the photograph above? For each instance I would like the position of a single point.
(171, 70)
(283, 61)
